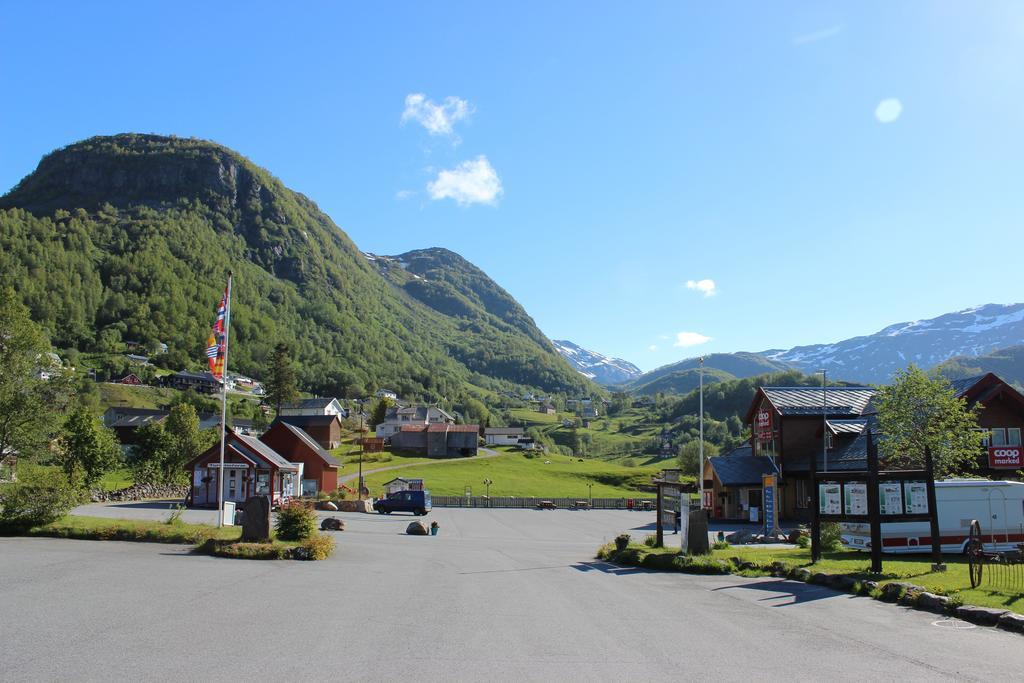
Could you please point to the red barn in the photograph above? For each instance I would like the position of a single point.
(325, 429)
(319, 468)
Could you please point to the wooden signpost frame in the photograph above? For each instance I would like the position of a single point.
(873, 477)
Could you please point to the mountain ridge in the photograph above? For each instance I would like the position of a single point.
(603, 369)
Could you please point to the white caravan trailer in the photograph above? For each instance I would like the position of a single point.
(997, 505)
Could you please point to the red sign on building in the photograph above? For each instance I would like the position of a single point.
(763, 426)
(1007, 457)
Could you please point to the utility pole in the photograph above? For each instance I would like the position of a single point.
(590, 489)
(700, 468)
(359, 481)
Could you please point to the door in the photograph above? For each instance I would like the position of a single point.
(234, 485)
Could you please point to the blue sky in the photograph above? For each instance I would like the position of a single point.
(830, 167)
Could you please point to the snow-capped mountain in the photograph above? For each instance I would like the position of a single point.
(926, 343)
(596, 366)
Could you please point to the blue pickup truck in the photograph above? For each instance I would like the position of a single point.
(416, 502)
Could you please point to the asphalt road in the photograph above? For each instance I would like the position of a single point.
(499, 595)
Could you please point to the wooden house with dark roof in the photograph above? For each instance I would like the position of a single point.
(325, 429)
(320, 468)
(251, 468)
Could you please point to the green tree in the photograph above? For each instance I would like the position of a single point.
(280, 384)
(915, 412)
(259, 419)
(154, 447)
(689, 456)
(182, 426)
(90, 449)
(31, 405)
(380, 411)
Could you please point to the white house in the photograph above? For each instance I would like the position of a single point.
(314, 406)
(503, 436)
(397, 417)
(386, 393)
(400, 484)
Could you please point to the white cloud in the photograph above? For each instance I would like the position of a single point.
(706, 286)
(684, 339)
(438, 119)
(471, 182)
(652, 347)
(818, 36)
(888, 110)
(402, 195)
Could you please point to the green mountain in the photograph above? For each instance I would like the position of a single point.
(1008, 363)
(130, 237)
(684, 376)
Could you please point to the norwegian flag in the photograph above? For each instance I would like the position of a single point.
(215, 345)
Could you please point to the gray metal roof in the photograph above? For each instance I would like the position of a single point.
(265, 452)
(309, 403)
(307, 420)
(741, 468)
(498, 431)
(962, 386)
(808, 400)
(849, 426)
(308, 440)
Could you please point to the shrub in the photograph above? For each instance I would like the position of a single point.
(831, 537)
(803, 541)
(295, 522)
(622, 541)
(651, 541)
(720, 545)
(42, 495)
(175, 516)
(318, 547)
(660, 561)
(955, 600)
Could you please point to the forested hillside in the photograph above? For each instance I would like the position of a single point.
(131, 237)
(684, 376)
(1008, 363)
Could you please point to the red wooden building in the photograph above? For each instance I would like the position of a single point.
(325, 429)
(319, 468)
(251, 468)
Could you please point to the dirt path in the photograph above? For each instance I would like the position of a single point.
(487, 453)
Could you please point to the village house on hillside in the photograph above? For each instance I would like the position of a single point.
(502, 436)
(546, 409)
(314, 406)
(324, 429)
(441, 440)
(202, 382)
(397, 417)
(125, 421)
(320, 468)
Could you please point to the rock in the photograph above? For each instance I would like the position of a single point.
(1011, 621)
(697, 538)
(980, 615)
(329, 505)
(256, 522)
(332, 524)
(139, 492)
(843, 582)
(932, 602)
(802, 574)
(870, 586)
(417, 529)
(891, 591)
(820, 578)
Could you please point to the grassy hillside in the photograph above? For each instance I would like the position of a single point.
(131, 237)
(682, 377)
(1008, 363)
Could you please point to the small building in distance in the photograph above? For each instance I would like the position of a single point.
(314, 406)
(131, 379)
(401, 484)
(546, 409)
(125, 421)
(202, 382)
(386, 393)
(438, 440)
(502, 436)
(397, 417)
(251, 468)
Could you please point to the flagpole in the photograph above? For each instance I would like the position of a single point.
(223, 406)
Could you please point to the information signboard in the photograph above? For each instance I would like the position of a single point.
(1006, 457)
(916, 497)
(770, 500)
(856, 502)
(890, 501)
(829, 499)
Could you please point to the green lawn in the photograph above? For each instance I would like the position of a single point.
(117, 479)
(514, 474)
(914, 569)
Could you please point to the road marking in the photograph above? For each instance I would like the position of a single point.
(954, 624)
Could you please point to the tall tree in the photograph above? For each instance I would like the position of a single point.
(380, 411)
(915, 412)
(689, 456)
(31, 401)
(182, 426)
(280, 383)
(154, 448)
(90, 449)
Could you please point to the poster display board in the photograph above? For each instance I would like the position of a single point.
(916, 497)
(890, 501)
(829, 499)
(856, 498)
(770, 499)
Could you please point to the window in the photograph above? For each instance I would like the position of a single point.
(998, 436)
(1013, 436)
(985, 438)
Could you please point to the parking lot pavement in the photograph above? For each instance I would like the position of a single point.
(499, 595)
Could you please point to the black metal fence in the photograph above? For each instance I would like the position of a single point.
(560, 503)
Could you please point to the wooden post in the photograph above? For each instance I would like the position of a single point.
(815, 512)
(874, 507)
(659, 527)
(933, 513)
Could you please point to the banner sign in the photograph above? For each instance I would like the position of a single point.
(770, 501)
(763, 425)
(1008, 457)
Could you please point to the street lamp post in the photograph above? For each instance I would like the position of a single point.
(700, 467)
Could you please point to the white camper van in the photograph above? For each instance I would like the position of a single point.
(997, 505)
